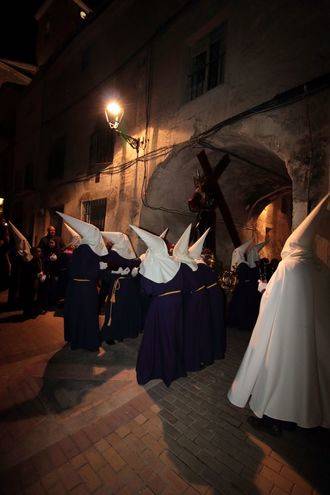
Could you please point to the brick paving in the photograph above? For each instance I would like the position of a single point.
(72, 423)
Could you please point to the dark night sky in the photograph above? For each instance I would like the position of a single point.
(18, 29)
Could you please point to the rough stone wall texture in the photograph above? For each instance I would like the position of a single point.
(140, 54)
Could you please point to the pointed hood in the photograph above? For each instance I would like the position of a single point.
(253, 253)
(238, 254)
(196, 249)
(157, 265)
(300, 242)
(164, 233)
(180, 250)
(121, 244)
(89, 233)
(74, 236)
(21, 242)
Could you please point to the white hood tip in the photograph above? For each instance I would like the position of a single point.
(196, 249)
(22, 243)
(181, 250)
(157, 265)
(238, 254)
(121, 244)
(90, 234)
(301, 240)
(164, 233)
(75, 237)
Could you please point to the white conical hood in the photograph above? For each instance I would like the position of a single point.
(157, 265)
(22, 244)
(74, 236)
(300, 242)
(89, 233)
(121, 244)
(196, 249)
(180, 250)
(164, 234)
(238, 254)
(253, 253)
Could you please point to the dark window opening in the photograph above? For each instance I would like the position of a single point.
(56, 160)
(101, 148)
(207, 63)
(94, 212)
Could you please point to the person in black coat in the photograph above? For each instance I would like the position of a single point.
(44, 243)
(33, 285)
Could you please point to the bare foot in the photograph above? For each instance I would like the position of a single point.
(101, 352)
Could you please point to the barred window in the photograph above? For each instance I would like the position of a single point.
(207, 63)
(56, 161)
(94, 212)
(101, 148)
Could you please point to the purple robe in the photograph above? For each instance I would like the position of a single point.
(160, 354)
(217, 307)
(123, 316)
(197, 335)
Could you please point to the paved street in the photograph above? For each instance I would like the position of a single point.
(76, 424)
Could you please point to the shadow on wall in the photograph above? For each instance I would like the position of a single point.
(253, 173)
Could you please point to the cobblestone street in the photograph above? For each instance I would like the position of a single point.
(76, 424)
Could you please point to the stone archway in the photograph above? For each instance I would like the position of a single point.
(255, 178)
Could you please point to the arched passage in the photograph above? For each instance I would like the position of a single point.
(255, 178)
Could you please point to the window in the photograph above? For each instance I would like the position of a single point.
(94, 212)
(28, 177)
(57, 159)
(207, 63)
(101, 146)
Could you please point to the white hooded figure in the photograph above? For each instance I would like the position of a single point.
(122, 245)
(160, 354)
(81, 319)
(157, 265)
(253, 253)
(195, 251)
(180, 250)
(285, 373)
(22, 244)
(198, 347)
(123, 314)
(90, 235)
(75, 238)
(238, 255)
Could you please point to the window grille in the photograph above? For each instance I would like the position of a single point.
(94, 212)
(207, 64)
(101, 147)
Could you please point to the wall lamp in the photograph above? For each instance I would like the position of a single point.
(114, 114)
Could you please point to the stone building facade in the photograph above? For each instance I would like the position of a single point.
(250, 79)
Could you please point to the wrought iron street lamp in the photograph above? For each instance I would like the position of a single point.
(114, 114)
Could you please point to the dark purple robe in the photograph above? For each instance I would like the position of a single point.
(160, 354)
(81, 319)
(124, 311)
(197, 335)
(217, 306)
(243, 308)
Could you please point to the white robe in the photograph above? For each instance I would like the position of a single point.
(286, 368)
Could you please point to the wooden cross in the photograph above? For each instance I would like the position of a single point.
(212, 176)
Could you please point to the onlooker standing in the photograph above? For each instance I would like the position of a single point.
(44, 241)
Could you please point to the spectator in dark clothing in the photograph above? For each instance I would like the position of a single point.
(33, 285)
(44, 242)
(51, 266)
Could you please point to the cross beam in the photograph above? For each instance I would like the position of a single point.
(212, 176)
